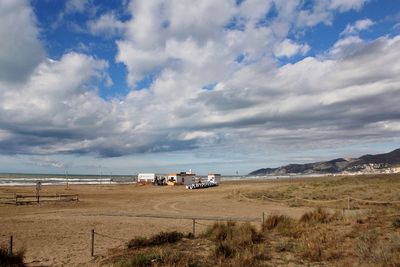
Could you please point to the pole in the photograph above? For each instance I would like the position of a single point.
(92, 243)
(348, 203)
(66, 174)
(263, 218)
(194, 227)
(10, 248)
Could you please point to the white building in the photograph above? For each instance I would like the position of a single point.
(146, 177)
(184, 178)
(214, 178)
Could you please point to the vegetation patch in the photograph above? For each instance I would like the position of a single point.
(372, 248)
(320, 237)
(396, 223)
(12, 260)
(156, 240)
(318, 215)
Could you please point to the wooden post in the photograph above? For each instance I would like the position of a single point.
(10, 248)
(263, 218)
(16, 199)
(348, 203)
(194, 227)
(92, 243)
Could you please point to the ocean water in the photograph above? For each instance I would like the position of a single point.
(32, 179)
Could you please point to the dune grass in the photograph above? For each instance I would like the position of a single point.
(320, 237)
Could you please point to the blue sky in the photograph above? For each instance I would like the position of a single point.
(213, 86)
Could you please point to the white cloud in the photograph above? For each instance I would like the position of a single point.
(20, 50)
(107, 24)
(76, 6)
(347, 46)
(359, 25)
(345, 5)
(253, 103)
(288, 48)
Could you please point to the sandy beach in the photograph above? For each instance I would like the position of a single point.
(58, 234)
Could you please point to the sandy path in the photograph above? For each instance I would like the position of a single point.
(58, 234)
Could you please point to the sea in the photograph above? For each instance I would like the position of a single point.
(16, 179)
(19, 179)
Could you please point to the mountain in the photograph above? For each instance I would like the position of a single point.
(366, 163)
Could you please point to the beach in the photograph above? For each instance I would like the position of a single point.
(58, 233)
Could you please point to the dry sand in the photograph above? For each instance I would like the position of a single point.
(58, 234)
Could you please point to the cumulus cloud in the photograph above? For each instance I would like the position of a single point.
(358, 26)
(346, 46)
(107, 24)
(288, 48)
(216, 85)
(20, 50)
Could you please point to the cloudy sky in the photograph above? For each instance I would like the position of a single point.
(224, 86)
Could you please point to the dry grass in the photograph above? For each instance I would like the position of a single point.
(321, 237)
(238, 244)
(284, 225)
(371, 248)
(318, 238)
(317, 245)
(319, 215)
(156, 240)
(368, 187)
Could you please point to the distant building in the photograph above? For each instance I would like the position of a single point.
(214, 178)
(146, 177)
(184, 178)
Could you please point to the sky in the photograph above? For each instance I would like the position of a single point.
(122, 87)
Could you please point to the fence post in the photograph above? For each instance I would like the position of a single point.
(194, 227)
(348, 203)
(92, 243)
(10, 248)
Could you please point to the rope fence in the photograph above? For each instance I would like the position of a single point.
(194, 222)
(344, 199)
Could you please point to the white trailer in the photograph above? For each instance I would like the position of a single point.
(184, 178)
(146, 177)
(214, 178)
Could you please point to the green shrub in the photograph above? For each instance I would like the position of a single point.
(138, 242)
(155, 240)
(396, 223)
(224, 250)
(165, 237)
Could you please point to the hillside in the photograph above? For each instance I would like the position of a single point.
(366, 163)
